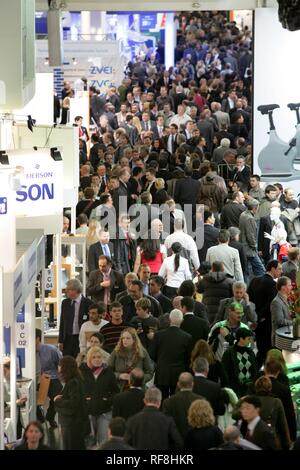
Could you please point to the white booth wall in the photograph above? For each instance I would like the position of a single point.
(276, 80)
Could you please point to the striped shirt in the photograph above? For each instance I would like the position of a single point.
(112, 334)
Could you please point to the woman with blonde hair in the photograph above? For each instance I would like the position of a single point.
(100, 386)
(217, 372)
(129, 354)
(204, 433)
(92, 235)
(137, 124)
(161, 195)
(277, 354)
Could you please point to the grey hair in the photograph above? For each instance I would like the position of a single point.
(252, 204)
(225, 142)
(153, 395)
(239, 285)
(201, 365)
(233, 231)
(74, 284)
(176, 317)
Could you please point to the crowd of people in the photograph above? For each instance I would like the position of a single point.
(190, 263)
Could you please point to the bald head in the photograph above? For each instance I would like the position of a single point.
(185, 381)
(232, 434)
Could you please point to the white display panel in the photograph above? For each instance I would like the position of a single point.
(41, 106)
(276, 81)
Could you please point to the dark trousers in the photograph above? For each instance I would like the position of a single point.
(55, 388)
(71, 346)
(263, 341)
(167, 390)
(72, 437)
(170, 292)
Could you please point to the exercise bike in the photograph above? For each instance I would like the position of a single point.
(277, 159)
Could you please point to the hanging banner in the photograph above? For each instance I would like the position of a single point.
(101, 62)
(41, 189)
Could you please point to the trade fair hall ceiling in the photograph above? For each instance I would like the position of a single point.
(156, 5)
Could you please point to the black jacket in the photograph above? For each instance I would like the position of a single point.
(230, 214)
(152, 430)
(198, 439)
(262, 436)
(129, 403)
(186, 191)
(215, 286)
(95, 251)
(115, 443)
(210, 238)
(71, 408)
(212, 392)
(66, 319)
(196, 327)
(165, 303)
(97, 292)
(124, 253)
(101, 391)
(262, 290)
(177, 406)
(129, 310)
(171, 351)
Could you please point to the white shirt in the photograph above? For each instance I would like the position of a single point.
(88, 326)
(178, 120)
(252, 425)
(187, 243)
(175, 278)
(76, 315)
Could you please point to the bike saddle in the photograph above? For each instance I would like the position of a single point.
(293, 106)
(266, 108)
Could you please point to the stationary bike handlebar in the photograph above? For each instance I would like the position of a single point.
(295, 107)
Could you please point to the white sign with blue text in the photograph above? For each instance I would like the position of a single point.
(41, 189)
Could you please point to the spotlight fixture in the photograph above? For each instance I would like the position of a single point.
(3, 158)
(74, 61)
(55, 154)
(46, 62)
(30, 123)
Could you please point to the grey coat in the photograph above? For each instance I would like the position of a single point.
(249, 310)
(280, 314)
(248, 235)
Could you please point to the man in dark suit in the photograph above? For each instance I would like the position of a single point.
(74, 311)
(151, 429)
(105, 283)
(102, 247)
(206, 388)
(155, 285)
(146, 124)
(210, 236)
(130, 402)
(178, 405)
(257, 431)
(121, 196)
(135, 293)
(124, 246)
(171, 351)
(262, 290)
(197, 327)
(116, 432)
(186, 190)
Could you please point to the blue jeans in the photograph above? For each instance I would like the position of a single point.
(258, 268)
